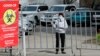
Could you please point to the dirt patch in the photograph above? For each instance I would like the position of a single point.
(93, 41)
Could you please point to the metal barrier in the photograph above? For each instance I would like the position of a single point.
(81, 35)
(10, 51)
(86, 25)
(42, 38)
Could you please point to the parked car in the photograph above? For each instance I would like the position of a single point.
(35, 10)
(82, 16)
(48, 16)
(26, 24)
(96, 17)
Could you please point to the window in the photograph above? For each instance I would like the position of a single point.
(29, 8)
(43, 8)
(57, 8)
(70, 8)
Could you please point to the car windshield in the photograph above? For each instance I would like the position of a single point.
(82, 10)
(29, 8)
(56, 8)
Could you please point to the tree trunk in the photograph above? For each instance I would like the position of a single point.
(64, 1)
(93, 4)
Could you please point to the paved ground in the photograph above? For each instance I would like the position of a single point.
(43, 44)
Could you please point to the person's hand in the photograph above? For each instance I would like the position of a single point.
(53, 22)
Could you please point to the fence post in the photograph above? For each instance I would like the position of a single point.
(10, 51)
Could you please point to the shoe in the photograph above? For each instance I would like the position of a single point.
(56, 52)
(63, 52)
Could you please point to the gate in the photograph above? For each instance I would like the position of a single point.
(86, 27)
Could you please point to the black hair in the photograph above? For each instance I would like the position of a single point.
(61, 14)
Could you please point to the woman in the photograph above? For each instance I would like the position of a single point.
(60, 25)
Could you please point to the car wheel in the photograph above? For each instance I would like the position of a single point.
(86, 24)
(26, 33)
(72, 9)
(43, 24)
(98, 28)
(37, 20)
(73, 24)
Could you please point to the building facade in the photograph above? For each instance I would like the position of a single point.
(49, 2)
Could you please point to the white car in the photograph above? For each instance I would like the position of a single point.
(48, 16)
(26, 24)
(34, 10)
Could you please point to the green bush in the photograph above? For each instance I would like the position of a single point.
(98, 36)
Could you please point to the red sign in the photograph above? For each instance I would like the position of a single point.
(8, 23)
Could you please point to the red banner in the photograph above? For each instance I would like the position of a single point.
(9, 23)
(9, 0)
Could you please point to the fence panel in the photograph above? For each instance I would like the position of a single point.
(86, 25)
(42, 38)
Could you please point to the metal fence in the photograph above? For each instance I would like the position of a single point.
(10, 51)
(42, 38)
(86, 24)
(81, 35)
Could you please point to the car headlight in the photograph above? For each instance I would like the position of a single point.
(42, 17)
